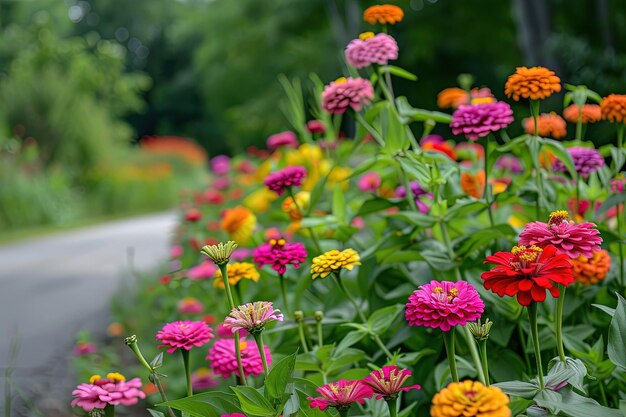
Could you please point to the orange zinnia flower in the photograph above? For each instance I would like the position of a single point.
(613, 108)
(550, 125)
(452, 97)
(383, 14)
(535, 83)
(239, 223)
(590, 113)
(470, 398)
(591, 271)
(473, 184)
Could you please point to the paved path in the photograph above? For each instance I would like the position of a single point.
(53, 286)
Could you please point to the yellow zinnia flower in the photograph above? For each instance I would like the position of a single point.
(288, 206)
(334, 260)
(260, 200)
(236, 272)
(239, 223)
(469, 398)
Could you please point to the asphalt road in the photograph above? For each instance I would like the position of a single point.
(51, 287)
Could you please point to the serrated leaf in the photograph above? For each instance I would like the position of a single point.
(253, 402)
(279, 376)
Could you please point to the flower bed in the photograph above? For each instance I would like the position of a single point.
(388, 274)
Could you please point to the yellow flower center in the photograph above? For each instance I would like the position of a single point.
(366, 35)
(94, 378)
(558, 217)
(116, 377)
(483, 100)
(525, 254)
(278, 242)
(437, 290)
(243, 345)
(341, 80)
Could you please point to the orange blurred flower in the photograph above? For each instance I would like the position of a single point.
(591, 271)
(546, 159)
(613, 108)
(590, 113)
(452, 98)
(473, 184)
(288, 206)
(550, 125)
(442, 147)
(383, 14)
(535, 83)
(149, 388)
(185, 148)
(239, 223)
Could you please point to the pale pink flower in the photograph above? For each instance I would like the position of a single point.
(346, 93)
(252, 317)
(227, 333)
(223, 360)
(190, 305)
(176, 251)
(184, 335)
(387, 382)
(378, 49)
(220, 164)
(122, 392)
(341, 394)
(283, 139)
(88, 397)
(204, 270)
(444, 305)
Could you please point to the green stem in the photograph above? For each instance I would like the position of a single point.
(486, 191)
(532, 319)
(370, 129)
(224, 270)
(239, 295)
(577, 185)
(185, 354)
(283, 289)
(409, 194)
(156, 381)
(320, 333)
(579, 125)
(303, 342)
(393, 407)
(448, 342)
(310, 229)
(109, 410)
(605, 402)
(258, 337)
(229, 295)
(483, 357)
(560, 302)
(242, 375)
(534, 110)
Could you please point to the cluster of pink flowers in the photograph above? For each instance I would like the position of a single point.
(112, 390)
(223, 360)
(346, 93)
(279, 181)
(444, 305)
(283, 139)
(184, 335)
(252, 317)
(374, 49)
(478, 120)
(204, 270)
(278, 253)
(586, 161)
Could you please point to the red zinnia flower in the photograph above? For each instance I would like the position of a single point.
(528, 272)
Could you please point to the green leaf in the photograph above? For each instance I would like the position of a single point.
(617, 334)
(612, 201)
(407, 359)
(518, 388)
(374, 205)
(206, 404)
(381, 319)
(292, 405)
(419, 115)
(464, 207)
(155, 413)
(253, 402)
(572, 404)
(560, 152)
(157, 362)
(398, 72)
(317, 193)
(350, 339)
(415, 218)
(339, 204)
(485, 237)
(279, 376)
(346, 357)
(608, 310)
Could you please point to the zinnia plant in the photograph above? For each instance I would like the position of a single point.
(341, 395)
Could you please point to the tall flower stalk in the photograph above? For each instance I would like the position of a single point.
(534, 332)
(449, 342)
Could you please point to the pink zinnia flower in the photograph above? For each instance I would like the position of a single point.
(87, 397)
(84, 348)
(369, 182)
(444, 305)
(510, 163)
(193, 215)
(121, 392)
(568, 238)
(190, 305)
(586, 161)
(203, 379)
(341, 394)
(478, 120)
(315, 126)
(241, 254)
(252, 317)
(220, 164)
(204, 270)
(365, 51)
(227, 333)
(221, 183)
(347, 92)
(618, 185)
(387, 382)
(176, 251)
(278, 253)
(287, 177)
(184, 335)
(223, 361)
(278, 140)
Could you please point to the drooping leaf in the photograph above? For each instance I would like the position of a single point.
(617, 334)
(253, 402)
(398, 72)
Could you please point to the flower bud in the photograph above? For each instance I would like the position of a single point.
(298, 316)
(319, 315)
(220, 253)
(480, 331)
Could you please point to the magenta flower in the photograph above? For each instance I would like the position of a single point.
(369, 182)
(203, 379)
(287, 177)
(227, 333)
(84, 348)
(378, 49)
(223, 361)
(478, 120)
(278, 253)
(568, 238)
(315, 126)
(88, 397)
(176, 251)
(618, 185)
(252, 317)
(510, 163)
(220, 164)
(341, 394)
(347, 92)
(184, 335)
(387, 382)
(204, 270)
(586, 161)
(444, 305)
(287, 139)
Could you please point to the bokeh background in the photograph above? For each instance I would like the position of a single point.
(97, 97)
